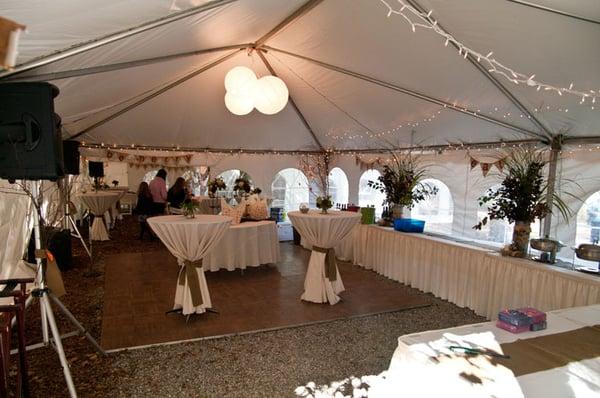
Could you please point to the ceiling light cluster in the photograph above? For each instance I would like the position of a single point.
(245, 91)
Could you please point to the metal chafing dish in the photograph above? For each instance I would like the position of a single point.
(548, 247)
(589, 252)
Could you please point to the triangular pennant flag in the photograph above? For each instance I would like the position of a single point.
(500, 164)
(485, 168)
(474, 162)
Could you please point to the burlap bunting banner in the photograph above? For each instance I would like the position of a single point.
(486, 166)
(368, 165)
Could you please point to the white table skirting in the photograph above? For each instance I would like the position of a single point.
(190, 240)
(575, 379)
(99, 203)
(324, 231)
(468, 276)
(248, 244)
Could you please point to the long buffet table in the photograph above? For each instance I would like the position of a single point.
(539, 364)
(468, 276)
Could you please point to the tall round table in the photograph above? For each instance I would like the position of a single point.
(99, 202)
(189, 240)
(323, 232)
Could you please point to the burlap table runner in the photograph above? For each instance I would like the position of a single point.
(551, 351)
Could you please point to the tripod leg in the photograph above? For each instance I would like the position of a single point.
(77, 324)
(78, 235)
(59, 347)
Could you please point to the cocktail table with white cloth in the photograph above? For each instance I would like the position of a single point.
(190, 240)
(323, 232)
(248, 244)
(99, 202)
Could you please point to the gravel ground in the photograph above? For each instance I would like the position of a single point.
(262, 364)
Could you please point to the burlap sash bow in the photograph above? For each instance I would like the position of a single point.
(330, 263)
(190, 272)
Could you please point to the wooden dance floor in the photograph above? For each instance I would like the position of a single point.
(139, 288)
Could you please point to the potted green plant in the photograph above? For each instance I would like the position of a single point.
(521, 198)
(401, 182)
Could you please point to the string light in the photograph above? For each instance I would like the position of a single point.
(415, 19)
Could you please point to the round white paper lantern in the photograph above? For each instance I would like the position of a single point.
(238, 79)
(238, 104)
(271, 95)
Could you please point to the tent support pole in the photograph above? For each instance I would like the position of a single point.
(156, 93)
(112, 37)
(410, 92)
(304, 8)
(553, 10)
(292, 102)
(555, 147)
(490, 77)
(121, 65)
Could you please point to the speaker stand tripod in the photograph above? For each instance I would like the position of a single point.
(47, 315)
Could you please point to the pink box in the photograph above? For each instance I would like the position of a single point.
(512, 328)
(535, 315)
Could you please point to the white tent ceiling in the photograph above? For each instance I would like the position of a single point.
(358, 79)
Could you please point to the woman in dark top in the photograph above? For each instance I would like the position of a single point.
(144, 208)
(177, 194)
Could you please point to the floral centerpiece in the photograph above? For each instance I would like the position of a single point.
(242, 186)
(521, 198)
(316, 169)
(189, 208)
(401, 182)
(214, 185)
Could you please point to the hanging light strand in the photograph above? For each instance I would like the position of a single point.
(417, 19)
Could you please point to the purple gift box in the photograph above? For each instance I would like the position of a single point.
(535, 315)
(512, 328)
(514, 317)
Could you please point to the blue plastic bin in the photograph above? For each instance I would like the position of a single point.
(409, 225)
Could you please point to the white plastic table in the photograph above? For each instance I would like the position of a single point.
(323, 232)
(190, 240)
(99, 202)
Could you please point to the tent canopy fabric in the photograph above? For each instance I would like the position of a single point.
(359, 79)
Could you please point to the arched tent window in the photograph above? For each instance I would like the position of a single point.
(437, 211)
(338, 186)
(197, 180)
(500, 231)
(289, 189)
(368, 196)
(588, 225)
(229, 176)
(588, 221)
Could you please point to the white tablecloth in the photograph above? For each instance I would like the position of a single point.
(99, 203)
(324, 231)
(190, 240)
(575, 379)
(248, 244)
(469, 276)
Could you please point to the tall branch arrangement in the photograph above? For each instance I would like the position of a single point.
(316, 169)
(400, 181)
(522, 193)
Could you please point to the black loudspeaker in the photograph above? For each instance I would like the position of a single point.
(96, 169)
(71, 157)
(30, 141)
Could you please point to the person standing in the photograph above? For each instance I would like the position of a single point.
(144, 208)
(158, 190)
(177, 193)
